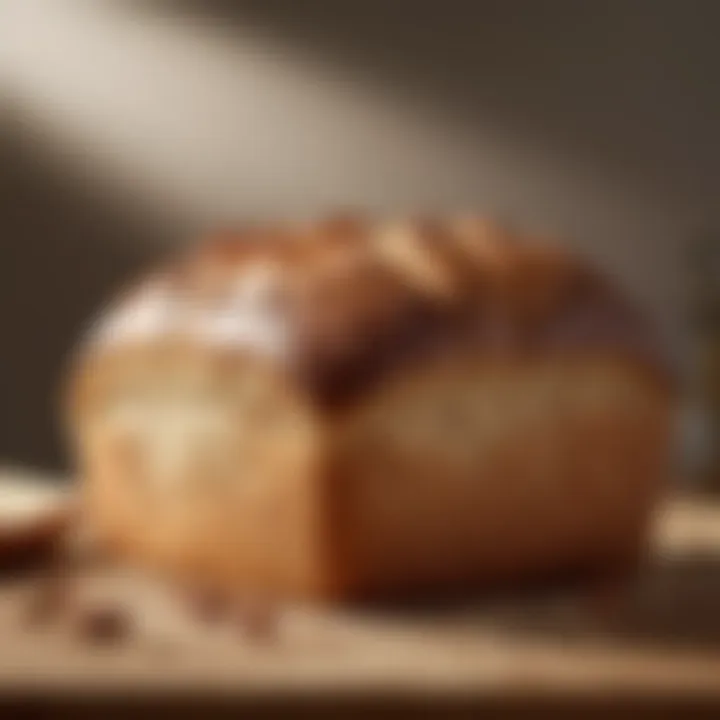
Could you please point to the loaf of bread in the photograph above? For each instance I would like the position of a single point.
(350, 409)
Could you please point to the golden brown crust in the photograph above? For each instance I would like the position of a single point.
(204, 465)
(477, 471)
(350, 301)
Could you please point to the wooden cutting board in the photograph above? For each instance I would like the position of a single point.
(662, 640)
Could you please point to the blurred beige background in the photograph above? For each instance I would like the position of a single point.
(125, 127)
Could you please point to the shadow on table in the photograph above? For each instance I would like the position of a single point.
(675, 603)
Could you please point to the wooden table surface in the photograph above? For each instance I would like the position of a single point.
(663, 640)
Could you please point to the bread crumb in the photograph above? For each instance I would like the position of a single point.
(103, 624)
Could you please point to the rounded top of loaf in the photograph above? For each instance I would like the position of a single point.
(343, 302)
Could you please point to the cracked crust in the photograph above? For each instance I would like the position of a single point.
(345, 302)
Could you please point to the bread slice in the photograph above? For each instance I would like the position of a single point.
(34, 513)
